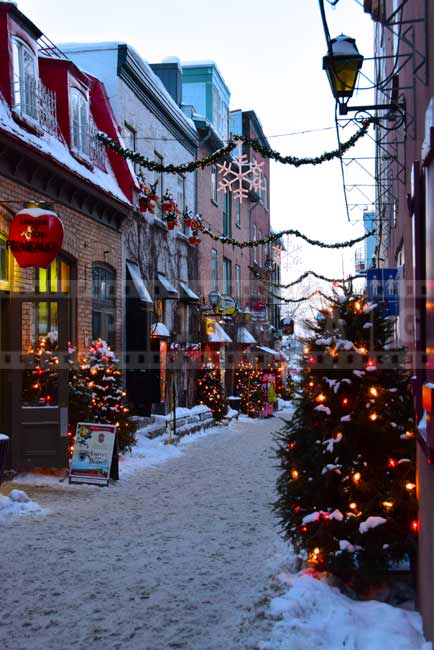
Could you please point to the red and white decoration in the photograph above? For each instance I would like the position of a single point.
(35, 237)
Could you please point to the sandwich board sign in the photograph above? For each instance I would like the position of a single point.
(94, 449)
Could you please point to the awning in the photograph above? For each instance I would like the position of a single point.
(216, 333)
(159, 331)
(135, 285)
(274, 353)
(188, 294)
(164, 289)
(244, 336)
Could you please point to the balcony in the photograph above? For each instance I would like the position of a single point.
(35, 105)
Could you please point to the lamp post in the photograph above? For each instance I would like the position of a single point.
(342, 64)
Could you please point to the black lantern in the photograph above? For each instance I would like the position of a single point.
(342, 65)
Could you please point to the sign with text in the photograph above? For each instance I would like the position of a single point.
(383, 287)
(93, 453)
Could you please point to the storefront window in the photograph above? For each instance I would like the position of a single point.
(4, 270)
(103, 304)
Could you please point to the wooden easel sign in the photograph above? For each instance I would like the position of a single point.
(95, 445)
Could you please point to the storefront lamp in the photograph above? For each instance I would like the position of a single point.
(342, 65)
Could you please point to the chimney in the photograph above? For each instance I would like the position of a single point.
(170, 74)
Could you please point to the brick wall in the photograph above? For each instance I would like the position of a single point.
(86, 242)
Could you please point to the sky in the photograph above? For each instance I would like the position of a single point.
(270, 55)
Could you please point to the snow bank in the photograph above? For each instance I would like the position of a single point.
(311, 614)
(18, 503)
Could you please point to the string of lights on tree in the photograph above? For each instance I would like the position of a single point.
(97, 395)
(217, 155)
(210, 391)
(347, 493)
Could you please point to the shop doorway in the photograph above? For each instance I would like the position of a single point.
(39, 326)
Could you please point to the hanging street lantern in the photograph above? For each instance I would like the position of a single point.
(35, 236)
(342, 64)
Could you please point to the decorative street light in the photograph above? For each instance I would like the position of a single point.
(342, 65)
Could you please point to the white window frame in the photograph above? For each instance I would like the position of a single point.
(214, 270)
(25, 86)
(80, 120)
(214, 196)
(238, 283)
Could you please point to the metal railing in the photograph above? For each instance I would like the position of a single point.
(36, 103)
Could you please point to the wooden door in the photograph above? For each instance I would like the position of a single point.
(39, 380)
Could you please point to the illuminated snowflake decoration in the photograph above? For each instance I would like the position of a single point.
(240, 176)
(277, 253)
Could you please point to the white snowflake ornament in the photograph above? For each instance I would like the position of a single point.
(241, 176)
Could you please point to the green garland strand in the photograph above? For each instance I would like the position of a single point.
(266, 152)
(276, 236)
(296, 300)
(303, 277)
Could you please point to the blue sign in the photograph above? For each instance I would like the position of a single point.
(383, 287)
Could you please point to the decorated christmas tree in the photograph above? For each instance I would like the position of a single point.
(248, 388)
(98, 377)
(210, 391)
(346, 488)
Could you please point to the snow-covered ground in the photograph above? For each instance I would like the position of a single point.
(181, 553)
(17, 502)
(311, 614)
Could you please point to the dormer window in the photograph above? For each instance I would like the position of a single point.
(25, 79)
(79, 122)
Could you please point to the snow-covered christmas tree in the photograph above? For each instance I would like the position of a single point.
(346, 488)
(210, 391)
(248, 387)
(98, 377)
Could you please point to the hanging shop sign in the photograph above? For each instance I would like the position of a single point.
(35, 236)
(227, 306)
(94, 449)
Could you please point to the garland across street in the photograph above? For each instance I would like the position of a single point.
(266, 152)
(276, 236)
(303, 277)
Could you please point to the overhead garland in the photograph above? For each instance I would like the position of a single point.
(276, 236)
(266, 152)
(296, 300)
(303, 277)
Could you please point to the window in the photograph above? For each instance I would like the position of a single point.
(24, 79)
(265, 193)
(254, 247)
(227, 215)
(159, 176)
(180, 196)
(260, 250)
(103, 304)
(227, 276)
(214, 184)
(238, 283)
(214, 271)
(4, 266)
(79, 121)
(130, 139)
(238, 212)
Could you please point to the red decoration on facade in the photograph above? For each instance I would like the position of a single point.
(35, 236)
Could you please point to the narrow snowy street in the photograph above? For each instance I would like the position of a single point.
(174, 557)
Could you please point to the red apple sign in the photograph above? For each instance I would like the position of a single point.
(35, 237)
